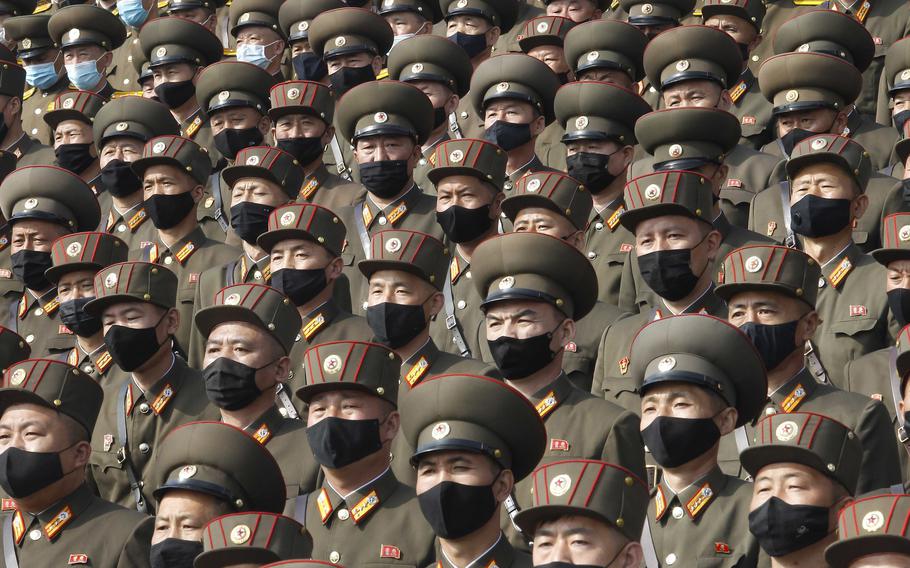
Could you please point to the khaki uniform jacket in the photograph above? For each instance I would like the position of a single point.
(214, 211)
(36, 319)
(753, 111)
(426, 163)
(179, 397)
(470, 122)
(550, 148)
(80, 529)
(380, 524)
(98, 365)
(466, 302)
(331, 191)
(132, 226)
(30, 152)
(609, 245)
(35, 103)
(501, 554)
(122, 73)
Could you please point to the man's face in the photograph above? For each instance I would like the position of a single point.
(796, 484)
(467, 24)
(46, 56)
(237, 118)
(576, 10)
(258, 190)
(439, 94)
(508, 110)
(614, 76)
(356, 59)
(261, 35)
(80, 53)
(576, 539)
(694, 93)
(36, 235)
(466, 468)
(299, 126)
(398, 287)
(522, 319)
(542, 220)
(552, 55)
(822, 180)
(121, 148)
(654, 30)
(166, 180)
(819, 120)
(299, 46)
(202, 16)
(379, 148)
(883, 560)
(137, 315)
(300, 254)
(75, 285)
(679, 400)
(247, 344)
(407, 23)
(72, 132)
(767, 308)
(172, 73)
(672, 232)
(901, 101)
(183, 514)
(349, 404)
(464, 191)
(898, 275)
(742, 31)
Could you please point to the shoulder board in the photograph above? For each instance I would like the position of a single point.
(697, 12)
(28, 93)
(44, 7)
(384, 74)
(808, 2)
(162, 4)
(614, 4)
(230, 52)
(121, 94)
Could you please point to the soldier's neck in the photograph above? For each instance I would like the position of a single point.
(13, 133)
(824, 249)
(610, 193)
(310, 168)
(50, 495)
(778, 376)
(480, 58)
(352, 477)
(186, 110)
(321, 298)
(175, 234)
(245, 416)
(464, 551)
(811, 556)
(519, 157)
(90, 344)
(252, 251)
(679, 478)
(407, 350)
(382, 202)
(704, 282)
(148, 375)
(530, 385)
(466, 250)
(127, 202)
(91, 172)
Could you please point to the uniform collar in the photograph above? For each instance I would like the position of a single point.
(392, 212)
(430, 151)
(318, 319)
(21, 146)
(264, 428)
(836, 270)
(192, 123)
(415, 367)
(533, 164)
(196, 236)
(501, 554)
(694, 499)
(248, 267)
(790, 395)
(547, 399)
(55, 518)
(458, 265)
(100, 358)
(361, 503)
(162, 392)
(708, 303)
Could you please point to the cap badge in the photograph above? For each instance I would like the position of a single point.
(440, 431)
(232, 300)
(819, 143)
(786, 431)
(223, 96)
(647, 8)
(121, 126)
(17, 377)
(542, 27)
(240, 534)
(26, 43)
(393, 245)
(332, 364)
(803, 48)
(682, 65)
(303, 26)
(293, 93)
(287, 218)
(725, 1)
(73, 249)
(110, 280)
(666, 364)
(560, 485)
(753, 264)
(417, 68)
(244, 18)
(462, 3)
(252, 160)
(186, 472)
(504, 86)
(506, 282)
(161, 51)
(905, 74)
(158, 147)
(380, 117)
(873, 520)
(533, 185)
(591, 56)
(68, 103)
(340, 41)
(675, 151)
(31, 203)
(652, 191)
(792, 95)
(904, 233)
(581, 122)
(456, 156)
(74, 34)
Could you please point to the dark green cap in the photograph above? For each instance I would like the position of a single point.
(251, 538)
(805, 81)
(753, 11)
(806, 438)
(135, 117)
(771, 268)
(82, 24)
(295, 16)
(306, 221)
(442, 414)
(269, 163)
(428, 9)
(134, 282)
(180, 5)
(841, 151)
(683, 138)
(500, 13)
(73, 105)
(544, 30)
(595, 110)
(514, 76)
(895, 239)
(469, 157)
(49, 193)
(349, 30)
(606, 44)
(262, 13)
(704, 351)
(54, 385)
(538, 267)
(339, 365)
(30, 34)
(384, 108)
(17, 7)
(230, 84)
(657, 13)
(690, 53)
(262, 306)
(432, 58)
(409, 251)
(667, 193)
(550, 190)
(13, 348)
(302, 97)
(176, 151)
(85, 251)
(178, 40)
(897, 66)
(876, 524)
(826, 31)
(12, 78)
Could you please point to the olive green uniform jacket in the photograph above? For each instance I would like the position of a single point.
(30, 152)
(466, 310)
(36, 319)
(35, 104)
(608, 246)
(330, 191)
(501, 554)
(133, 226)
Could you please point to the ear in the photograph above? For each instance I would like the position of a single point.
(577, 240)
(279, 48)
(503, 485)
(598, 14)
(377, 66)
(282, 369)
(727, 420)
(755, 42)
(197, 193)
(264, 124)
(326, 137)
(627, 154)
(567, 332)
(713, 241)
(840, 122)
(105, 61)
(451, 104)
(172, 321)
(631, 556)
(496, 204)
(720, 176)
(196, 76)
(390, 427)
(333, 269)
(435, 304)
(14, 106)
(807, 326)
(493, 35)
(81, 454)
(860, 204)
(725, 102)
(537, 125)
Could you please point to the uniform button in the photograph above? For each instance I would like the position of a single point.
(127, 81)
(365, 305)
(257, 275)
(121, 227)
(592, 255)
(169, 260)
(144, 448)
(652, 89)
(507, 185)
(461, 304)
(821, 282)
(463, 114)
(334, 557)
(599, 226)
(29, 338)
(34, 131)
(144, 408)
(770, 411)
(37, 111)
(671, 558)
(383, 221)
(283, 412)
(343, 514)
(422, 161)
(755, 58)
(677, 512)
(35, 534)
(87, 369)
(467, 274)
(39, 312)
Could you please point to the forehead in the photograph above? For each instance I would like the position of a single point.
(728, 19)
(73, 124)
(444, 456)
(237, 113)
(677, 389)
(782, 470)
(899, 265)
(508, 104)
(824, 170)
(25, 226)
(546, 50)
(693, 85)
(163, 170)
(667, 222)
(343, 393)
(573, 523)
(142, 308)
(452, 183)
(396, 277)
(538, 213)
(301, 245)
(123, 142)
(77, 275)
(28, 412)
(511, 308)
(239, 331)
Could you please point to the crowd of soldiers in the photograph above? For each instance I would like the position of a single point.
(455, 283)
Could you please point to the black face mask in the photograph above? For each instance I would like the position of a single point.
(167, 211)
(309, 67)
(899, 304)
(782, 528)
(347, 78)
(455, 510)
(463, 225)
(900, 119)
(232, 140)
(440, 117)
(472, 44)
(130, 347)
(814, 216)
(571, 565)
(298, 284)
(794, 137)
(774, 343)
(174, 553)
(23, 473)
(249, 220)
(518, 358)
(508, 136)
(743, 50)
(905, 191)
(675, 441)
(80, 322)
(591, 170)
(337, 442)
(119, 179)
(304, 149)
(230, 384)
(668, 273)
(385, 178)
(395, 325)
(74, 157)
(176, 93)
(29, 266)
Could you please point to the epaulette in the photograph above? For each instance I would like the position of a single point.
(121, 94)
(384, 74)
(697, 12)
(808, 2)
(44, 7)
(230, 52)
(162, 4)
(28, 93)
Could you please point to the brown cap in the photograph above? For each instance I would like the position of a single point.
(667, 193)
(897, 66)
(427, 9)
(878, 524)
(500, 13)
(85, 251)
(134, 282)
(409, 251)
(135, 117)
(469, 157)
(685, 138)
(833, 149)
(295, 16)
(384, 108)
(262, 306)
(73, 105)
(596, 110)
(606, 44)
(349, 30)
(178, 152)
(514, 76)
(12, 79)
(820, 30)
(251, 538)
(13, 348)
(544, 30)
(656, 13)
(232, 84)
(30, 34)
(302, 97)
(770, 268)
(179, 40)
(82, 24)
(338, 365)
(255, 13)
(802, 81)
(550, 190)
(753, 11)
(429, 57)
(268, 163)
(895, 239)
(691, 53)
(306, 221)
(49, 193)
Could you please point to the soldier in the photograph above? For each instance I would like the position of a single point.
(771, 292)
(256, 538)
(699, 378)
(202, 12)
(579, 11)
(612, 525)
(514, 94)
(13, 139)
(13, 348)
(442, 71)
(599, 122)
(882, 541)
(55, 518)
(207, 470)
(260, 40)
(468, 175)
(801, 482)
(893, 101)
(42, 204)
(410, 18)
(249, 332)
(77, 258)
(145, 77)
(70, 121)
(475, 438)
(655, 17)
(301, 114)
(87, 36)
(305, 243)
(121, 128)
(679, 269)
(555, 204)
(43, 68)
(174, 171)
(295, 17)
(136, 304)
(361, 514)
(617, 49)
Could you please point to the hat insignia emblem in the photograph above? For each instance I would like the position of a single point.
(462, 3)
(591, 56)
(340, 41)
(647, 8)
(223, 96)
(287, 218)
(186, 472)
(380, 117)
(31, 203)
(456, 156)
(873, 520)
(819, 143)
(74, 34)
(293, 93)
(240, 534)
(440, 431)
(161, 51)
(252, 160)
(786, 431)
(244, 18)
(560, 485)
(507, 282)
(393, 245)
(73, 249)
(110, 280)
(332, 364)
(652, 191)
(666, 364)
(303, 26)
(68, 103)
(753, 264)
(542, 27)
(533, 185)
(417, 68)
(17, 377)
(905, 74)
(803, 48)
(792, 95)
(158, 147)
(504, 86)
(26, 43)
(682, 65)
(121, 126)
(581, 122)
(232, 300)
(904, 233)
(675, 151)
